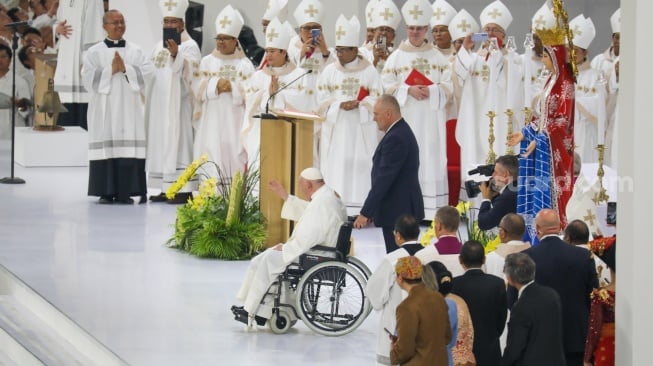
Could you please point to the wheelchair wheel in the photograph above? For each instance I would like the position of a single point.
(359, 265)
(280, 322)
(331, 298)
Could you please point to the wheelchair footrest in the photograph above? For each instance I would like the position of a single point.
(241, 315)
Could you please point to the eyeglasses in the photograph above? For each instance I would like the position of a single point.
(307, 28)
(385, 30)
(224, 39)
(343, 49)
(415, 28)
(493, 30)
(116, 23)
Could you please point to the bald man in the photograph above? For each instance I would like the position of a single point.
(570, 271)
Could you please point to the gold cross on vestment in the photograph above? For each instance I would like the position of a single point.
(539, 22)
(271, 34)
(464, 26)
(170, 4)
(415, 12)
(386, 14)
(577, 30)
(422, 65)
(340, 32)
(350, 86)
(495, 13)
(311, 11)
(590, 217)
(438, 13)
(224, 22)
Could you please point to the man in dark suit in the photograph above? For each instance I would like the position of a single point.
(571, 272)
(535, 326)
(504, 182)
(485, 296)
(395, 185)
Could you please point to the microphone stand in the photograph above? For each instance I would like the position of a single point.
(267, 114)
(14, 46)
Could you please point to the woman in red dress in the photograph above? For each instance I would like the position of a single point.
(599, 346)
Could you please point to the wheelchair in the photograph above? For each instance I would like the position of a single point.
(326, 290)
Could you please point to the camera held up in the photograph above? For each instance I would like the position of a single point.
(473, 188)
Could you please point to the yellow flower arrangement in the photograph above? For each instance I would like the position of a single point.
(187, 174)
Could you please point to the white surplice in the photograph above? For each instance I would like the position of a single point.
(492, 84)
(427, 118)
(116, 127)
(590, 112)
(220, 118)
(22, 91)
(85, 18)
(348, 138)
(317, 222)
(168, 113)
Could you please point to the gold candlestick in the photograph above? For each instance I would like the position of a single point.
(491, 156)
(527, 115)
(601, 195)
(509, 150)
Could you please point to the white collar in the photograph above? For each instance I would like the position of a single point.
(514, 242)
(392, 125)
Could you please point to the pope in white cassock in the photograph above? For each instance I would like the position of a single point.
(169, 104)
(590, 113)
(422, 105)
(82, 17)
(278, 72)
(219, 85)
(348, 90)
(490, 82)
(114, 72)
(317, 222)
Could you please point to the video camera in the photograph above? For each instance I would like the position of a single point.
(472, 187)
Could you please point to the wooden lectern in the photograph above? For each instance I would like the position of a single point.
(286, 150)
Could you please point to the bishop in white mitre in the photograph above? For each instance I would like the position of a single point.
(591, 95)
(422, 106)
(491, 85)
(168, 108)
(219, 86)
(272, 87)
(348, 90)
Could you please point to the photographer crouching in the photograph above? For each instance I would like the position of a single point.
(499, 193)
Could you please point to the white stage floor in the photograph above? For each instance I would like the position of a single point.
(107, 267)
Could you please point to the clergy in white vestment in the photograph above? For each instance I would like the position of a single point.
(490, 83)
(422, 105)
(114, 72)
(169, 103)
(83, 17)
(590, 117)
(443, 13)
(382, 289)
(384, 16)
(317, 221)
(274, 79)
(511, 232)
(219, 86)
(22, 95)
(348, 90)
(531, 59)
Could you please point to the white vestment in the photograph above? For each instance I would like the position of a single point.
(488, 85)
(495, 259)
(531, 66)
(590, 112)
(430, 254)
(116, 127)
(22, 91)
(348, 138)
(427, 118)
(220, 118)
(293, 97)
(85, 18)
(168, 113)
(385, 295)
(317, 222)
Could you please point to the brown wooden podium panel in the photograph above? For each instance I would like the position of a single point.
(286, 150)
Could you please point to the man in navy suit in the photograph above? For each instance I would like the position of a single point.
(395, 185)
(535, 326)
(504, 181)
(571, 272)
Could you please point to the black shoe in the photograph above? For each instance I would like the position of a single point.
(124, 201)
(160, 198)
(105, 200)
(143, 199)
(180, 198)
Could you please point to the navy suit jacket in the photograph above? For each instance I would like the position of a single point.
(491, 213)
(395, 184)
(485, 296)
(572, 273)
(535, 329)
